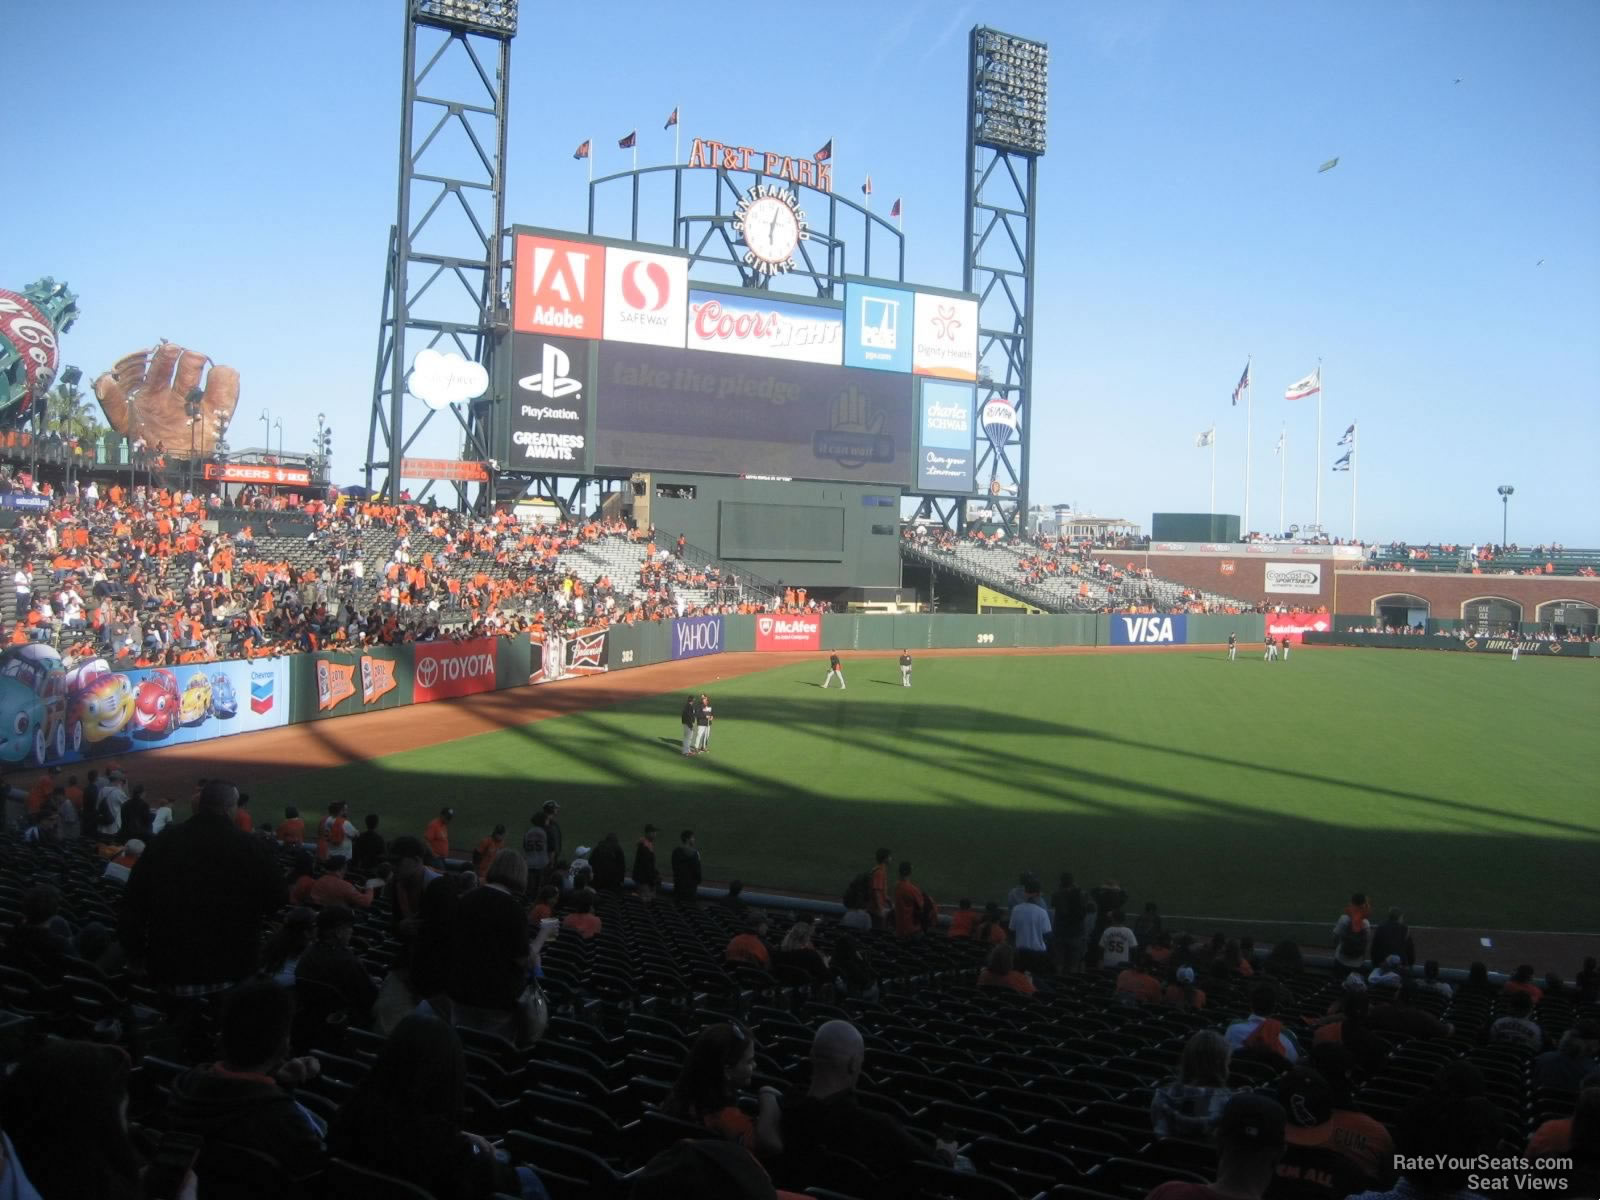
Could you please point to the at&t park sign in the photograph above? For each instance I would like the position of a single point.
(803, 172)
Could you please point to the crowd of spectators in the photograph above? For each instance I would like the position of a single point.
(145, 576)
(262, 959)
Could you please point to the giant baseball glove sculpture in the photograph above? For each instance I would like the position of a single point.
(145, 395)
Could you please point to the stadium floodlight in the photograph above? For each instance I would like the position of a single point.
(497, 18)
(1010, 84)
(1506, 492)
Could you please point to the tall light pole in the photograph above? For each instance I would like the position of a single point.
(266, 423)
(1506, 491)
(278, 425)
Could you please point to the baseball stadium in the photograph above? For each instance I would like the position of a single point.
(719, 770)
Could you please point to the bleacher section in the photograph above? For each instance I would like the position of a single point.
(1043, 1093)
(1460, 559)
(1000, 566)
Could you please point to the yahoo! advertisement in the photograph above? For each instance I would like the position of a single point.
(662, 409)
(696, 637)
(947, 438)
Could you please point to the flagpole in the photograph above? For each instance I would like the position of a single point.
(1283, 472)
(677, 133)
(1249, 416)
(590, 157)
(1319, 446)
(1213, 470)
(1355, 470)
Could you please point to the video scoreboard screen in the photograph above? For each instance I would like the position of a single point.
(619, 362)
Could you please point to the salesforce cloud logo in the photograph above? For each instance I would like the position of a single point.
(440, 380)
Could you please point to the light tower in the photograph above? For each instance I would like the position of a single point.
(431, 295)
(1007, 83)
(1506, 492)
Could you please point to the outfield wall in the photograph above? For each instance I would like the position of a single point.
(243, 696)
(1471, 645)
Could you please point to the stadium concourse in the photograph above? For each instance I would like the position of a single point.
(309, 1010)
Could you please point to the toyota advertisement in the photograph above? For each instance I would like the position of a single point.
(947, 443)
(801, 632)
(677, 410)
(761, 327)
(549, 410)
(448, 669)
(695, 637)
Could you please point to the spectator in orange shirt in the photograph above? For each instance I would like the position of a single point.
(749, 946)
(545, 908)
(483, 856)
(241, 815)
(292, 829)
(720, 1063)
(914, 910)
(963, 921)
(40, 791)
(1521, 981)
(1001, 971)
(437, 835)
(1135, 984)
(1182, 992)
(583, 921)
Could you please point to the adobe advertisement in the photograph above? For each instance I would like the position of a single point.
(677, 410)
(556, 286)
(549, 409)
(448, 669)
(780, 632)
(946, 339)
(646, 297)
(947, 446)
(761, 327)
(877, 327)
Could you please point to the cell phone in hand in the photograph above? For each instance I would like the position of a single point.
(550, 925)
(171, 1166)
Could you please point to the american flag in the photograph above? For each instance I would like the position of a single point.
(1244, 382)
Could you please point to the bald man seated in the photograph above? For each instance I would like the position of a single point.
(829, 1118)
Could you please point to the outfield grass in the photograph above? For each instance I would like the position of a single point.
(1461, 786)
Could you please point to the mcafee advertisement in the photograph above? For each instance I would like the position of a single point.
(447, 669)
(1294, 625)
(802, 632)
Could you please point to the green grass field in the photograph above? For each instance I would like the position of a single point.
(1463, 787)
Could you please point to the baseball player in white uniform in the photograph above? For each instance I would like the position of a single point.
(905, 668)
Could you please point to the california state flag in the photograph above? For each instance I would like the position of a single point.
(1301, 388)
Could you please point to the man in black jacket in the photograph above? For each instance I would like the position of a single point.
(330, 962)
(608, 864)
(685, 869)
(645, 875)
(193, 909)
(241, 1100)
(691, 708)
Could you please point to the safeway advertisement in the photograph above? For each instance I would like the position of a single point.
(789, 633)
(1293, 625)
(446, 669)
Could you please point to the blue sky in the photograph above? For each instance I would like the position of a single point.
(224, 175)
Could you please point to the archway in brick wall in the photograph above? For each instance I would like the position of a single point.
(1399, 609)
(1564, 617)
(1491, 614)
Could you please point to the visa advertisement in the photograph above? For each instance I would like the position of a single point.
(761, 327)
(51, 715)
(877, 327)
(1148, 629)
(947, 437)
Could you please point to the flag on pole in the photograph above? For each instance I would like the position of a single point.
(1202, 440)
(672, 120)
(1329, 165)
(1244, 382)
(866, 188)
(583, 150)
(1301, 388)
(1349, 436)
(1343, 464)
(1278, 449)
(895, 211)
(629, 142)
(826, 152)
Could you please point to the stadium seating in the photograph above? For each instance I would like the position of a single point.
(1047, 1095)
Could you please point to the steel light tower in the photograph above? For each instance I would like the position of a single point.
(1007, 83)
(444, 123)
(1506, 492)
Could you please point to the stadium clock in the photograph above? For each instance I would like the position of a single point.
(771, 222)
